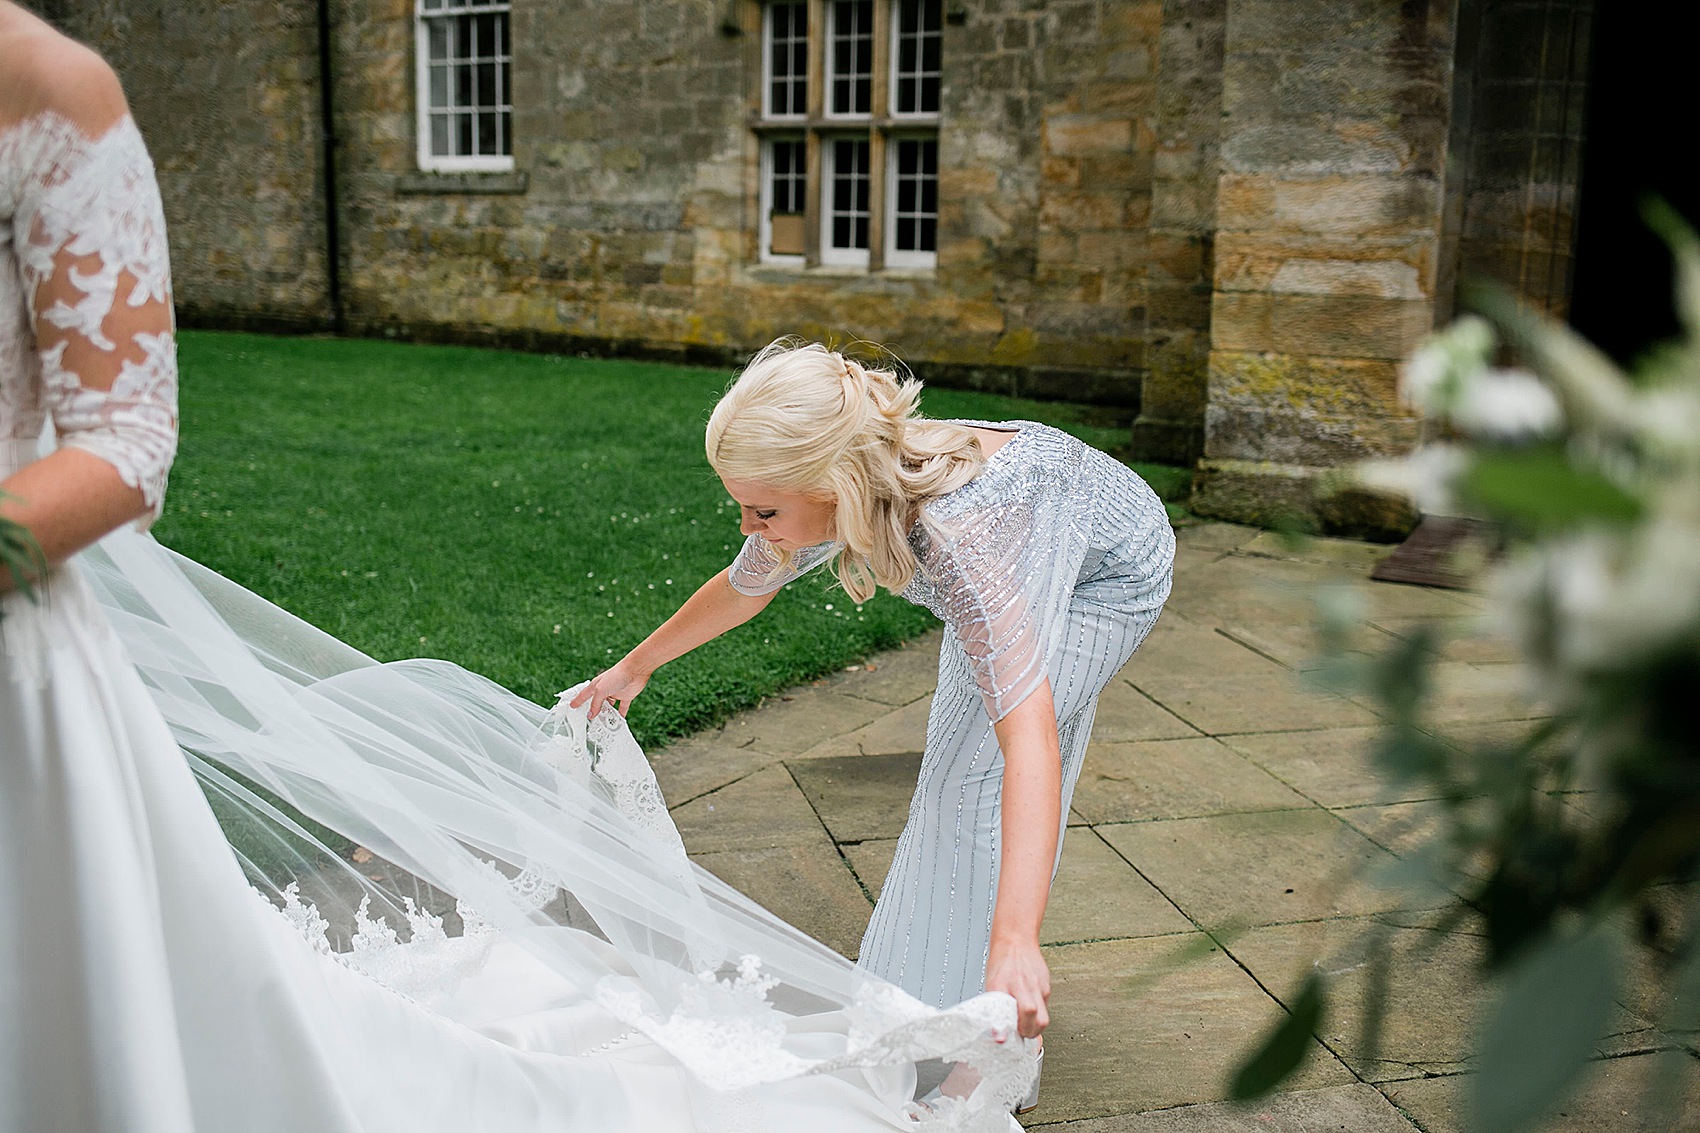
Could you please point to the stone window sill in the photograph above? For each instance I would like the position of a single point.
(437, 184)
(775, 272)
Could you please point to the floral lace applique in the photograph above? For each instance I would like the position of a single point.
(73, 199)
(429, 966)
(601, 754)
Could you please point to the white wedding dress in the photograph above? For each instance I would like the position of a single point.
(532, 950)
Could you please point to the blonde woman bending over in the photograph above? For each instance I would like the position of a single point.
(1047, 560)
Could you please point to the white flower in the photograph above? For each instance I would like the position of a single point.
(1595, 601)
(1446, 362)
(1426, 477)
(1507, 404)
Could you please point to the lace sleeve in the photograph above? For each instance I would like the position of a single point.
(761, 568)
(90, 238)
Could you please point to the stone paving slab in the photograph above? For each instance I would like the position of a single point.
(702, 763)
(1097, 895)
(897, 732)
(1133, 782)
(1255, 869)
(1297, 646)
(1266, 703)
(1135, 1029)
(1179, 647)
(805, 884)
(1612, 1098)
(1434, 996)
(1472, 694)
(1125, 713)
(800, 719)
(758, 812)
(1336, 1109)
(1332, 767)
(897, 677)
(859, 797)
(1466, 642)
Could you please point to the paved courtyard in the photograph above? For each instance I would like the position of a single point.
(1218, 841)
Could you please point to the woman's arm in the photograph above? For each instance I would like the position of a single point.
(1032, 814)
(67, 500)
(715, 608)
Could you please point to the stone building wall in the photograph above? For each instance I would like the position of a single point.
(1180, 265)
(1328, 234)
(634, 228)
(227, 94)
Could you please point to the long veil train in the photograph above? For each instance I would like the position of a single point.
(521, 839)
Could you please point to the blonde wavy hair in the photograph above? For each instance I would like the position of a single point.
(804, 418)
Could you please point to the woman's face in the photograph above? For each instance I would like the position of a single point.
(785, 519)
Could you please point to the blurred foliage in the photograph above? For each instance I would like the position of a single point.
(20, 556)
(1571, 849)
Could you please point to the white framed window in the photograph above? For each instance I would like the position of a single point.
(784, 189)
(846, 199)
(917, 57)
(464, 55)
(785, 60)
(851, 93)
(849, 58)
(912, 201)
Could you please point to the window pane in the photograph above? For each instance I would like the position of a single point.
(849, 193)
(919, 47)
(786, 58)
(915, 202)
(467, 48)
(852, 56)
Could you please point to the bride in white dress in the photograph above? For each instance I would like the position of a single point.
(170, 965)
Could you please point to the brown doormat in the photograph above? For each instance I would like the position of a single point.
(1429, 555)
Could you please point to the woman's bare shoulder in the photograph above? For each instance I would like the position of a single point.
(44, 71)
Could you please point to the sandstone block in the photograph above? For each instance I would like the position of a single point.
(1388, 268)
(1348, 326)
(1082, 210)
(1242, 321)
(1070, 135)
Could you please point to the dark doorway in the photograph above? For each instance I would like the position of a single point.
(1639, 145)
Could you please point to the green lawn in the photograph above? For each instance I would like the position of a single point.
(530, 517)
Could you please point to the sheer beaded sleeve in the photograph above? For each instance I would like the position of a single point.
(1000, 557)
(761, 569)
(89, 235)
(1000, 575)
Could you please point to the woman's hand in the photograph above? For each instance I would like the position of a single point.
(616, 686)
(1017, 968)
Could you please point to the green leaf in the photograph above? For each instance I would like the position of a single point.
(1540, 489)
(1285, 1047)
(1540, 1033)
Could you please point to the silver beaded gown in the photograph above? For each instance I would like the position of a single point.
(1054, 561)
